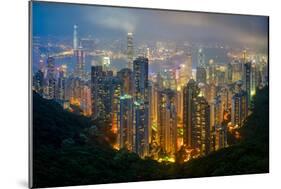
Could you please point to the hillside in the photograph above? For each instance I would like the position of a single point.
(72, 150)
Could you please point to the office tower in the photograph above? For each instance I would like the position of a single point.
(212, 92)
(38, 81)
(75, 37)
(115, 87)
(105, 90)
(211, 75)
(159, 81)
(200, 128)
(201, 75)
(204, 90)
(150, 111)
(168, 77)
(109, 95)
(229, 73)
(179, 110)
(254, 79)
(153, 112)
(97, 77)
(226, 97)
(126, 76)
(130, 50)
(79, 71)
(68, 89)
(86, 100)
(218, 136)
(179, 105)
(148, 54)
(239, 108)
(126, 126)
(247, 80)
(167, 121)
(51, 78)
(185, 71)
(61, 83)
(190, 92)
(140, 72)
(220, 75)
(74, 92)
(201, 58)
(237, 71)
(105, 63)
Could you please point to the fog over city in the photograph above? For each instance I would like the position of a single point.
(148, 24)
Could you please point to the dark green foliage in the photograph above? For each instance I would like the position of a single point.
(73, 150)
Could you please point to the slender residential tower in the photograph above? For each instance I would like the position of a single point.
(141, 106)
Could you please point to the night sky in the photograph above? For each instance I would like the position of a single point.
(56, 19)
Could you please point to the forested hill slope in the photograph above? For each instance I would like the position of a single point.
(71, 150)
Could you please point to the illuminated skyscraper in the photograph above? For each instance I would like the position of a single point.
(204, 90)
(51, 79)
(153, 111)
(80, 63)
(38, 81)
(86, 100)
(200, 129)
(126, 126)
(167, 121)
(105, 90)
(97, 77)
(140, 71)
(75, 37)
(185, 70)
(218, 136)
(226, 97)
(61, 83)
(130, 50)
(211, 71)
(254, 79)
(126, 76)
(106, 63)
(201, 58)
(201, 75)
(117, 87)
(109, 95)
(220, 75)
(239, 108)
(237, 71)
(229, 73)
(212, 92)
(247, 80)
(190, 92)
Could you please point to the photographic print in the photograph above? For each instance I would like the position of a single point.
(122, 94)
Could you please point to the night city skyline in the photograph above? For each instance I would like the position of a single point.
(163, 87)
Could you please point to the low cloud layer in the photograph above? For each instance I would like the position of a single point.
(154, 24)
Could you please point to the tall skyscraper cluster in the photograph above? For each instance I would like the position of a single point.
(54, 82)
(158, 115)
